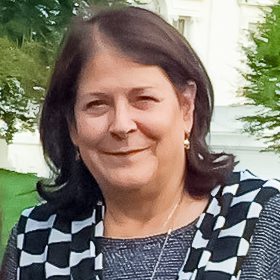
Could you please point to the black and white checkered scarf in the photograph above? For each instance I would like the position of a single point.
(51, 248)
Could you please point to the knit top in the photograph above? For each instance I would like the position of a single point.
(129, 259)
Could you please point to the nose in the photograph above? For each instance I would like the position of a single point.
(122, 123)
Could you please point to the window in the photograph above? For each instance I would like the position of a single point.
(183, 25)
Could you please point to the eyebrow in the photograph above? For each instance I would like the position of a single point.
(131, 91)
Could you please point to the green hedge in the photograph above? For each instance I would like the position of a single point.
(17, 191)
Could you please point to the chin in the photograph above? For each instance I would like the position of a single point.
(123, 179)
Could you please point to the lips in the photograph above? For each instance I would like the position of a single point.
(125, 152)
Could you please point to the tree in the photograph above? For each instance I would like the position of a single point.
(42, 19)
(22, 83)
(263, 80)
(30, 33)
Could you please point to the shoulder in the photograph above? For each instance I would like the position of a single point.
(271, 211)
(10, 260)
(263, 260)
(247, 178)
(246, 183)
(41, 218)
(255, 201)
(266, 239)
(269, 221)
(245, 197)
(41, 211)
(33, 217)
(243, 187)
(259, 198)
(261, 195)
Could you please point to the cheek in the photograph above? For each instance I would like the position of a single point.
(170, 136)
(166, 125)
(159, 122)
(90, 131)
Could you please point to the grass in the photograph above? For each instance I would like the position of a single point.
(17, 191)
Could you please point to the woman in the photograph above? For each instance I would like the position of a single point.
(137, 193)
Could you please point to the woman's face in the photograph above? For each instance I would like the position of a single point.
(130, 125)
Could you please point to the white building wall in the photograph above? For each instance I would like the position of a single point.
(226, 136)
(216, 29)
(24, 155)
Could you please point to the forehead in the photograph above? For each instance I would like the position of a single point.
(111, 69)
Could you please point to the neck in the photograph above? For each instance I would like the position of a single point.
(140, 212)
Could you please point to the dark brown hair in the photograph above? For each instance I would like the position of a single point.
(147, 39)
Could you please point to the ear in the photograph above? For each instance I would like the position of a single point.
(188, 104)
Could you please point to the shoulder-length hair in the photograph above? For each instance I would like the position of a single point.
(147, 39)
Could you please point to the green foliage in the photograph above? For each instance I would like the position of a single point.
(30, 33)
(23, 74)
(42, 19)
(263, 80)
(34, 19)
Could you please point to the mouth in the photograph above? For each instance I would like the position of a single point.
(125, 152)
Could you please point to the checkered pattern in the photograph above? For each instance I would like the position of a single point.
(224, 232)
(53, 248)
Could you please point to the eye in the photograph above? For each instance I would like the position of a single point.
(147, 98)
(96, 107)
(145, 102)
(96, 104)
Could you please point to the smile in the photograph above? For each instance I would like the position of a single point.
(125, 152)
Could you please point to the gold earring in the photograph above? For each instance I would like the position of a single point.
(78, 155)
(187, 143)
